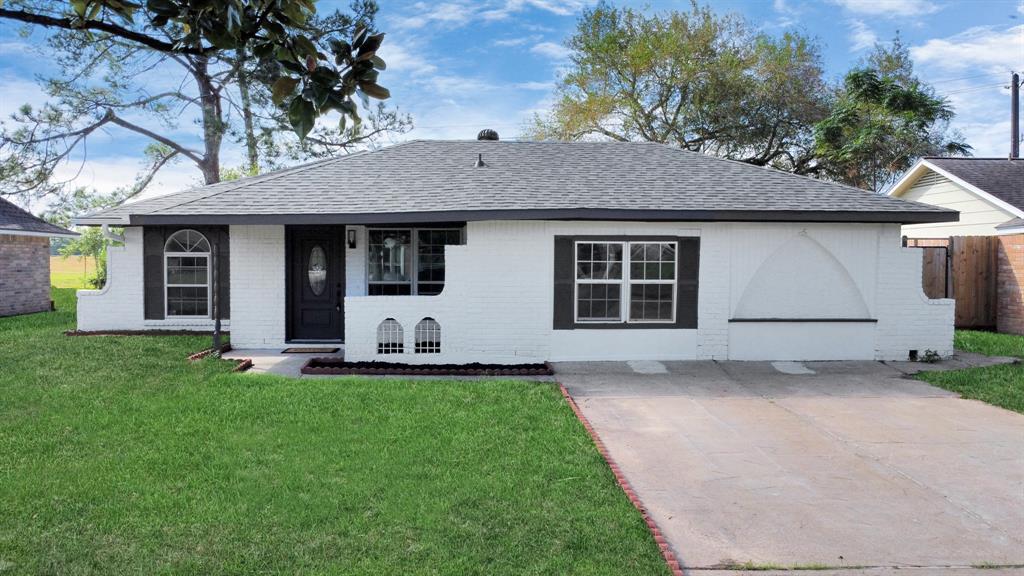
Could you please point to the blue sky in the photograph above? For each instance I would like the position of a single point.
(459, 66)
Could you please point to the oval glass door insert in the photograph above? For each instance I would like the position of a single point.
(317, 270)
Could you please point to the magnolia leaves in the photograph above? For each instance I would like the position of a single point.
(315, 83)
(315, 74)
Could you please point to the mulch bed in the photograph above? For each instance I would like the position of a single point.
(337, 366)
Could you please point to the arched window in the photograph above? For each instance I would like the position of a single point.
(187, 274)
(390, 338)
(428, 336)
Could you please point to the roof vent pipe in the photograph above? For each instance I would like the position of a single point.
(487, 134)
(479, 161)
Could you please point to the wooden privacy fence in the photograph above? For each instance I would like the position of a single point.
(964, 268)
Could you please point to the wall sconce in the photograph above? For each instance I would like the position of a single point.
(351, 238)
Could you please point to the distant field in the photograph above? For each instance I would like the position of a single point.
(70, 272)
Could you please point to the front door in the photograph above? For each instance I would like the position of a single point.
(316, 283)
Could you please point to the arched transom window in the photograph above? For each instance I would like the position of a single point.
(187, 274)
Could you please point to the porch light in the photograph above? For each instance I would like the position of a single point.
(351, 238)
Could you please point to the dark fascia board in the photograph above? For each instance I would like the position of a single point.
(555, 214)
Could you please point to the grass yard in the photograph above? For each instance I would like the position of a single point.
(1001, 386)
(118, 457)
(71, 272)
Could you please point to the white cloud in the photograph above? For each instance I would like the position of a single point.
(111, 172)
(401, 58)
(508, 42)
(861, 36)
(981, 46)
(970, 70)
(534, 85)
(551, 50)
(456, 14)
(17, 92)
(445, 14)
(889, 8)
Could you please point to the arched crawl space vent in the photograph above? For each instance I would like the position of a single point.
(428, 337)
(801, 279)
(390, 337)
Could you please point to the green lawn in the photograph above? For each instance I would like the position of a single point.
(118, 457)
(1001, 386)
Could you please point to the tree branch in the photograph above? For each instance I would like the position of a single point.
(114, 29)
(190, 154)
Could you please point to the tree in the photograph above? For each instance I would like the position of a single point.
(883, 119)
(693, 79)
(91, 242)
(227, 56)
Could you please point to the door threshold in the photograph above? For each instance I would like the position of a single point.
(314, 341)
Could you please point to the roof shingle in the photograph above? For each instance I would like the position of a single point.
(1000, 177)
(599, 180)
(14, 219)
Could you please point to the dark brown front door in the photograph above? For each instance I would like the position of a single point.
(316, 283)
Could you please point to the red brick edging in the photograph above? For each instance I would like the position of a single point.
(659, 538)
(243, 363)
(204, 353)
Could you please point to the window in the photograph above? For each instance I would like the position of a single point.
(428, 337)
(625, 281)
(599, 281)
(187, 274)
(390, 337)
(402, 262)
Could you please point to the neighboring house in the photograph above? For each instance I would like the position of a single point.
(513, 252)
(989, 194)
(25, 260)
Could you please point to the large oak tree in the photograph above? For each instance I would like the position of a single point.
(694, 79)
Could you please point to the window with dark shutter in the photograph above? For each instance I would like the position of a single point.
(625, 282)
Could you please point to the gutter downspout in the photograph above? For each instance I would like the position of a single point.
(105, 229)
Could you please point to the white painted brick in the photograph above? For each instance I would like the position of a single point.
(257, 286)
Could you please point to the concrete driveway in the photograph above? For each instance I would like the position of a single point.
(853, 465)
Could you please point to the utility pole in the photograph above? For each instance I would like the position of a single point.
(1014, 116)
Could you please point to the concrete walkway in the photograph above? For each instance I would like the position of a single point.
(837, 464)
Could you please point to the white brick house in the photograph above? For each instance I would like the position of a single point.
(513, 252)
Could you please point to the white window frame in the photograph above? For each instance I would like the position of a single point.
(414, 265)
(625, 282)
(168, 286)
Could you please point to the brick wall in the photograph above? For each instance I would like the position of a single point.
(1010, 293)
(257, 286)
(24, 274)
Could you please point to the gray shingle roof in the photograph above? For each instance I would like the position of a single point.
(437, 180)
(1000, 177)
(14, 219)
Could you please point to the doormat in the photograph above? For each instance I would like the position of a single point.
(338, 366)
(309, 350)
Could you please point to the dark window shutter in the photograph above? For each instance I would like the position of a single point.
(153, 271)
(688, 270)
(564, 278)
(223, 270)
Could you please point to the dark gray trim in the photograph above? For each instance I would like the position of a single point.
(554, 214)
(687, 269)
(153, 240)
(865, 320)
